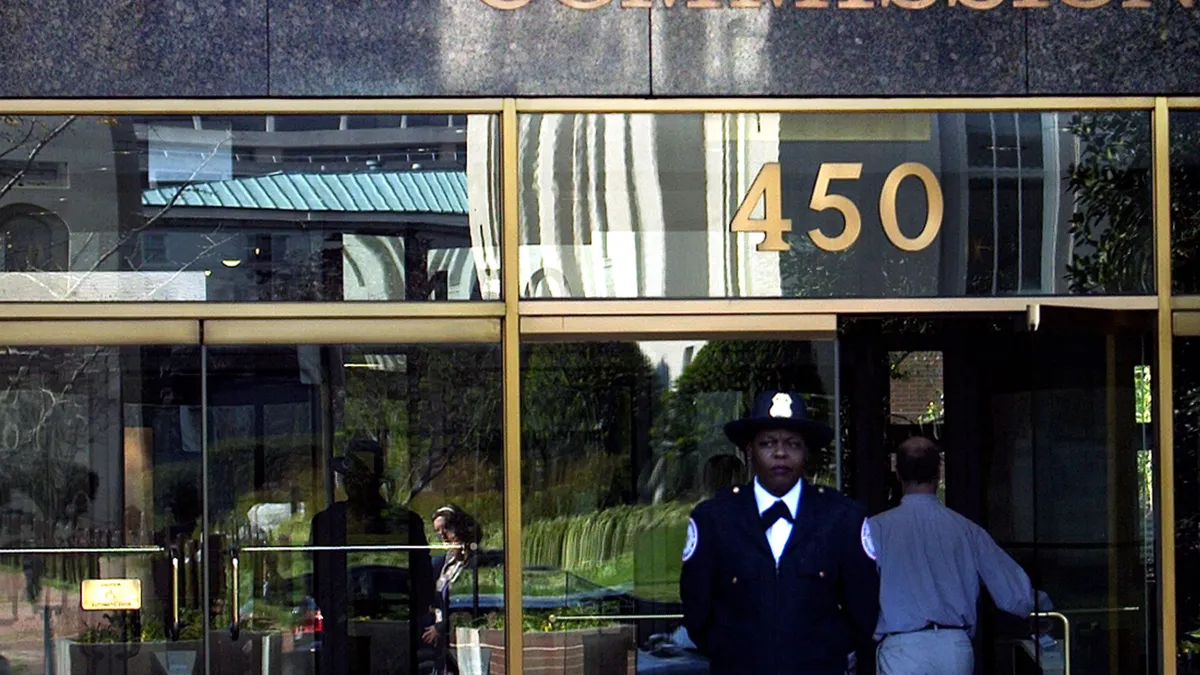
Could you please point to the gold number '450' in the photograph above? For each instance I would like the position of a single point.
(767, 188)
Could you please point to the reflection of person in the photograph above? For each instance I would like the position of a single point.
(931, 560)
(775, 578)
(458, 530)
(720, 472)
(365, 518)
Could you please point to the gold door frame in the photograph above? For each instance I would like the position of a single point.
(514, 319)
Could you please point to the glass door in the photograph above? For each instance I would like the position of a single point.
(1044, 422)
(354, 497)
(101, 561)
(621, 436)
(1066, 473)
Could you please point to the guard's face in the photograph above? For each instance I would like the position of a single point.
(778, 457)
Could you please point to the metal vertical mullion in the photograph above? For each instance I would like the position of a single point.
(205, 526)
(510, 337)
(837, 411)
(1164, 396)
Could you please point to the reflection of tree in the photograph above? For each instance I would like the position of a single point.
(437, 411)
(1113, 234)
(55, 402)
(586, 414)
(1112, 226)
(719, 385)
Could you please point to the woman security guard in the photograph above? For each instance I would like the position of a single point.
(778, 576)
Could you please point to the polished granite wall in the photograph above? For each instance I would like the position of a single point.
(148, 48)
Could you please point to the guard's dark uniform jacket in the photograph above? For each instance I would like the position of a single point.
(802, 617)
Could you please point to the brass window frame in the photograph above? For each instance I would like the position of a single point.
(101, 333)
(513, 320)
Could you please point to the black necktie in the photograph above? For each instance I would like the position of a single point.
(777, 511)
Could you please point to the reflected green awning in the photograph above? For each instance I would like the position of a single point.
(378, 192)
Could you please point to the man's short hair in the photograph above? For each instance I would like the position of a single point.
(918, 460)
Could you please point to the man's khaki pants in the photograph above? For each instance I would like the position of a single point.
(927, 652)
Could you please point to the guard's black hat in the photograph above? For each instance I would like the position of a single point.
(779, 410)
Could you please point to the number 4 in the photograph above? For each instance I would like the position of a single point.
(767, 188)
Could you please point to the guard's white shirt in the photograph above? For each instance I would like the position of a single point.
(777, 534)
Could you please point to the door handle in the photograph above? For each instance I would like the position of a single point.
(235, 625)
(353, 549)
(174, 630)
(101, 550)
(1066, 636)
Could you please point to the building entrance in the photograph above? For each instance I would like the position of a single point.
(1044, 423)
(208, 478)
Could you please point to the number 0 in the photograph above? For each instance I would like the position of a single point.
(887, 207)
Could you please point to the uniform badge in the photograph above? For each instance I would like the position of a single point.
(781, 406)
(868, 545)
(693, 538)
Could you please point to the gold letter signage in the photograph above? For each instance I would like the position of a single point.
(755, 5)
(767, 188)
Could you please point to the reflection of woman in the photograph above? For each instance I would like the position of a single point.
(459, 531)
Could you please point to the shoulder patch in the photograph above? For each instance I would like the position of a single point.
(868, 544)
(693, 539)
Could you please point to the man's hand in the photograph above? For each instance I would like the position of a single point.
(430, 636)
(1043, 602)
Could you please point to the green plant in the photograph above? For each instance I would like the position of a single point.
(115, 628)
(1112, 226)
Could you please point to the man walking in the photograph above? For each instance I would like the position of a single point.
(931, 561)
(776, 579)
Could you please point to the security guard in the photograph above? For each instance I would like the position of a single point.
(931, 560)
(776, 579)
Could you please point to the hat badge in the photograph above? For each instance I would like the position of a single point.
(781, 406)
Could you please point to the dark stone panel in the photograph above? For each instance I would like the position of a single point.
(456, 48)
(881, 51)
(1114, 49)
(152, 48)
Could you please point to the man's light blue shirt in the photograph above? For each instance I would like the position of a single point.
(931, 561)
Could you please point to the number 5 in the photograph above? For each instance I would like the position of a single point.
(822, 200)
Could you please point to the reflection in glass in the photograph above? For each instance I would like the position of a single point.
(1185, 194)
(328, 467)
(1048, 444)
(640, 205)
(1186, 356)
(248, 208)
(99, 456)
(620, 440)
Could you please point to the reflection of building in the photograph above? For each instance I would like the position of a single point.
(248, 208)
(627, 223)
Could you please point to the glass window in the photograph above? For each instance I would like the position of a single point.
(1186, 355)
(246, 208)
(357, 495)
(101, 484)
(1185, 194)
(620, 440)
(835, 205)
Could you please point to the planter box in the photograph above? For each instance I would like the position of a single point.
(379, 647)
(587, 651)
(253, 652)
(125, 658)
